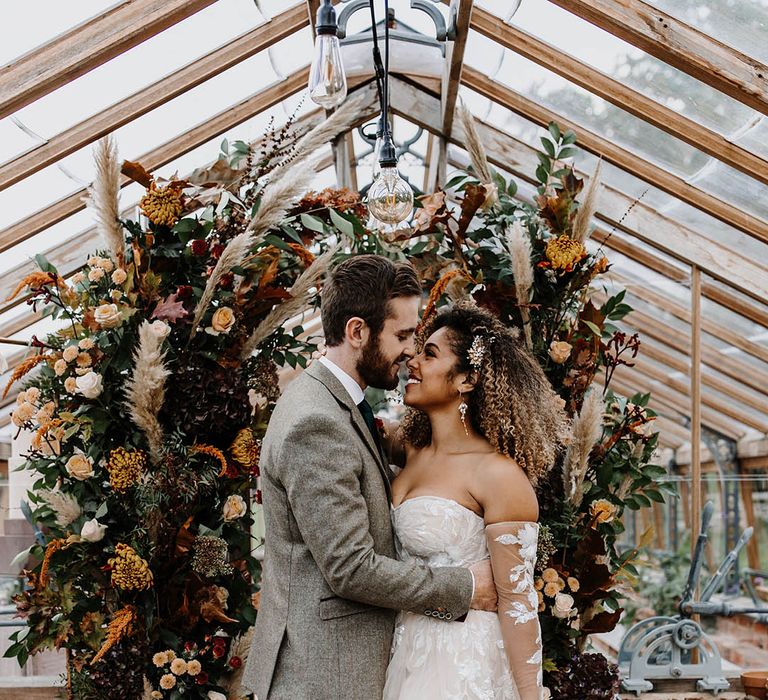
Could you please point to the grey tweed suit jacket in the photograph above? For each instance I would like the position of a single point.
(331, 580)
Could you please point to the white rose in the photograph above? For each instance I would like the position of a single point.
(216, 695)
(79, 467)
(160, 329)
(93, 531)
(559, 351)
(107, 315)
(234, 508)
(89, 385)
(563, 605)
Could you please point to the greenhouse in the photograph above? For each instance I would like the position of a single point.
(527, 239)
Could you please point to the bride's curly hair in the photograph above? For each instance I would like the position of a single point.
(513, 405)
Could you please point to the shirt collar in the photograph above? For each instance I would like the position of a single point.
(352, 387)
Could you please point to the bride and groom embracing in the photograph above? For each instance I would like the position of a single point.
(381, 587)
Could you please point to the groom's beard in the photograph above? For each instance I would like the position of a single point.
(376, 370)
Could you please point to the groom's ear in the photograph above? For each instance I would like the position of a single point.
(356, 332)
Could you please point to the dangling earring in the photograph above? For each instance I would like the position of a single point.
(463, 411)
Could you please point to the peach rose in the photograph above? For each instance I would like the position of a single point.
(119, 276)
(603, 511)
(222, 321)
(234, 508)
(107, 315)
(79, 466)
(559, 351)
(70, 353)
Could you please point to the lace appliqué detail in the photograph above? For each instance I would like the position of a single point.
(521, 576)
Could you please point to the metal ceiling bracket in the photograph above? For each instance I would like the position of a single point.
(443, 31)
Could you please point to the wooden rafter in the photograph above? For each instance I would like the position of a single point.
(631, 381)
(726, 408)
(212, 127)
(87, 46)
(67, 256)
(620, 95)
(705, 58)
(662, 302)
(631, 162)
(733, 389)
(713, 291)
(160, 92)
(454, 61)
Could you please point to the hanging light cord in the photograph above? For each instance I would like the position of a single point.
(381, 71)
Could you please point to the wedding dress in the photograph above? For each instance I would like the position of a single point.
(436, 659)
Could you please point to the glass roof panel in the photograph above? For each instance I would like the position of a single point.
(13, 140)
(694, 219)
(42, 21)
(742, 24)
(140, 66)
(622, 61)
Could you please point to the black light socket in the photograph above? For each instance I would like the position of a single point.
(387, 153)
(325, 22)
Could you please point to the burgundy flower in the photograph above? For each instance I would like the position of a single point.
(201, 678)
(235, 662)
(199, 247)
(216, 250)
(184, 292)
(218, 651)
(257, 496)
(227, 281)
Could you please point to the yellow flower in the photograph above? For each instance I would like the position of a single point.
(168, 681)
(125, 468)
(551, 589)
(170, 654)
(129, 570)
(563, 252)
(160, 659)
(178, 667)
(245, 449)
(162, 205)
(550, 575)
(573, 584)
(194, 667)
(603, 511)
(84, 360)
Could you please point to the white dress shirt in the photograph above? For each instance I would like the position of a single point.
(352, 387)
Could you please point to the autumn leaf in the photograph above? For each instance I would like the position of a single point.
(170, 309)
(136, 172)
(474, 196)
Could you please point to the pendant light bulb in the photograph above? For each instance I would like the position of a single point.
(390, 198)
(327, 80)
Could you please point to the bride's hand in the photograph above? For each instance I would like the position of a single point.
(485, 597)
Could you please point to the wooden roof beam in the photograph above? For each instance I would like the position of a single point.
(631, 162)
(617, 93)
(87, 46)
(160, 92)
(648, 295)
(212, 127)
(454, 61)
(680, 45)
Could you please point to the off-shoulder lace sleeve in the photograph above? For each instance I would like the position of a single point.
(512, 546)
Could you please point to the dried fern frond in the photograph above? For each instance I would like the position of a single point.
(103, 197)
(473, 144)
(587, 429)
(580, 231)
(145, 390)
(293, 306)
(24, 367)
(120, 627)
(519, 246)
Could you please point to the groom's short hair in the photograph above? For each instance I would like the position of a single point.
(362, 286)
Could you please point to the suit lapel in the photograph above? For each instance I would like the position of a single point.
(326, 377)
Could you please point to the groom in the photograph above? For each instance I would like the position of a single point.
(331, 580)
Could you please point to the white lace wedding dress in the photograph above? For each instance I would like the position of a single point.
(433, 659)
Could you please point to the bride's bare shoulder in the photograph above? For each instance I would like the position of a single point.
(504, 491)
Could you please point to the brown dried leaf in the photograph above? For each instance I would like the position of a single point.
(136, 172)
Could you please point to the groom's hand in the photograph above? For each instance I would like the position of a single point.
(485, 597)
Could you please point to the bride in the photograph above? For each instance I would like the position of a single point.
(483, 425)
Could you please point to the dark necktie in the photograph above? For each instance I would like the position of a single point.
(370, 421)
